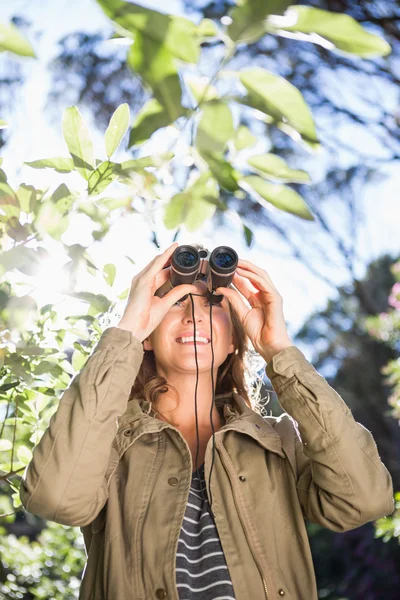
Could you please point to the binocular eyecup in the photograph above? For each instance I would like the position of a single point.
(191, 263)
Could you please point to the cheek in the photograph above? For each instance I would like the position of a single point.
(222, 323)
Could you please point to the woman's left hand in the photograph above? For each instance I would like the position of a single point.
(264, 322)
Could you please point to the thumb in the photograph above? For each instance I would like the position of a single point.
(235, 300)
(178, 292)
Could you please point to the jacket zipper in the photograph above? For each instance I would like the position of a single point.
(243, 524)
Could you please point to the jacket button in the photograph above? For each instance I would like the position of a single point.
(242, 478)
(171, 481)
(128, 432)
(160, 593)
(281, 592)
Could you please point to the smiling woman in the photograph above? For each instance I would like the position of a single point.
(151, 527)
(232, 373)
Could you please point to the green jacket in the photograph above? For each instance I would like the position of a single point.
(108, 466)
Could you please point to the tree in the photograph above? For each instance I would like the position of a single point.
(385, 326)
(38, 355)
(13, 41)
(353, 349)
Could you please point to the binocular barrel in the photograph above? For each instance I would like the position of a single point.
(189, 264)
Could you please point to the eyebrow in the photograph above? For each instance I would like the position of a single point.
(205, 296)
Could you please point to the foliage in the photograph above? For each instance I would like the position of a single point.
(354, 565)
(38, 352)
(386, 327)
(351, 358)
(34, 569)
(13, 41)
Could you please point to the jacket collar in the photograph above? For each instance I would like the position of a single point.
(139, 417)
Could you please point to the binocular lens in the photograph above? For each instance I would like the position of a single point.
(186, 259)
(224, 259)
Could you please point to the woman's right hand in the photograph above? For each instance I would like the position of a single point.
(144, 311)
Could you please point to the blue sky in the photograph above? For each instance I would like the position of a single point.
(32, 137)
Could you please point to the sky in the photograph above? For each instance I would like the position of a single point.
(33, 137)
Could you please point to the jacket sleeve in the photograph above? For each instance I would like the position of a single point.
(341, 481)
(65, 480)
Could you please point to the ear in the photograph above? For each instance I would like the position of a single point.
(147, 345)
(231, 346)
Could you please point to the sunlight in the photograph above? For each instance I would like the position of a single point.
(50, 281)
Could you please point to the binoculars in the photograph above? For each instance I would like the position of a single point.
(190, 263)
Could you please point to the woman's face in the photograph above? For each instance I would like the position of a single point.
(172, 354)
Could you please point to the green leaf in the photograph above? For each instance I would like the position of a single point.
(275, 96)
(19, 257)
(109, 273)
(16, 498)
(79, 254)
(77, 137)
(248, 235)
(5, 445)
(177, 34)
(151, 117)
(8, 386)
(98, 301)
(123, 295)
(156, 65)
(153, 160)
(16, 231)
(78, 360)
(201, 90)
(8, 200)
(194, 206)
(280, 196)
(53, 215)
(59, 163)
(117, 128)
(276, 168)
(63, 198)
(247, 19)
(27, 196)
(244, 138)
(223, 172)
(113, 203)
(3, 125)
(24, 455)
(207, 28)
(215, 127)
(100, 179)
(330, 30)
(11, 39)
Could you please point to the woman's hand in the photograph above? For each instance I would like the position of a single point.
(264, 322)
(144, 311)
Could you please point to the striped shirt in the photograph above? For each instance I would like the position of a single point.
(201, 570)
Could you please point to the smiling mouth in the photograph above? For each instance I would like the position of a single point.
(192, 343)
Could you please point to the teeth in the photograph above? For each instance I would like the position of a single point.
(200, 340)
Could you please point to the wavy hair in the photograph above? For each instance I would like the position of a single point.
(239, 372)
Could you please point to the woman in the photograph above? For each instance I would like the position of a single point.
(133, 489)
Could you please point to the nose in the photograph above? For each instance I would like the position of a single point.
(199, 307)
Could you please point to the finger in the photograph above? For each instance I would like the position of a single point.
(160, 260)
(263, 281)
(251, 290)
(234, 298)
(178, 292)
(249, 266)
(161, 278)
